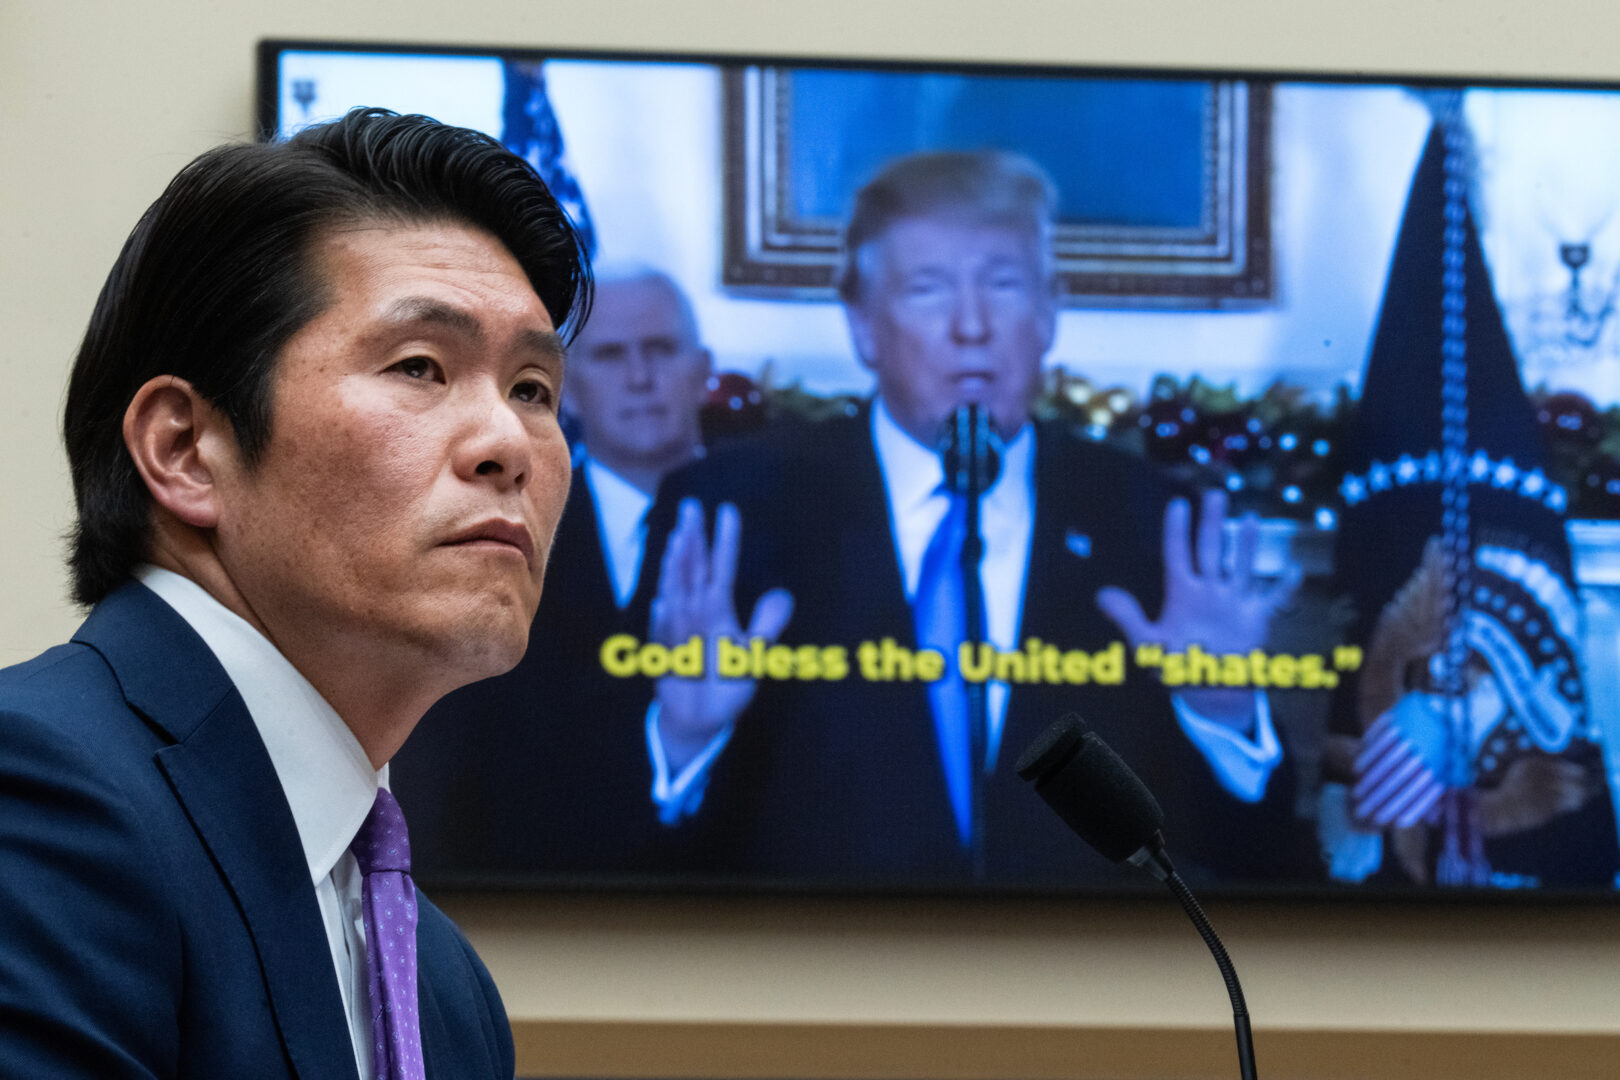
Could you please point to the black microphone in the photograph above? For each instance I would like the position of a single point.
(1095, 793)
(971, 450)
(1101, 799)
(970, 455)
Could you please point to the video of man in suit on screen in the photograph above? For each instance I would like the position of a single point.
(1271, 427)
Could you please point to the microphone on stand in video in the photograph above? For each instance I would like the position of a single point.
(971, 455)
(1107, 805)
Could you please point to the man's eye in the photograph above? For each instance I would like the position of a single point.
(532, 392)
(926, 290)
(417, 367)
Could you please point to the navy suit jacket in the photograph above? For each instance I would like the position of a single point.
(839, 782)
(157, 917)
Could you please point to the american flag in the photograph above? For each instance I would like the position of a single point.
(530, 130)
(1394, 785)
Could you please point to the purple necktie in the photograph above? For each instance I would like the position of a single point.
(388, 898)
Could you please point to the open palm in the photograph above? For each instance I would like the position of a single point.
(695, 598)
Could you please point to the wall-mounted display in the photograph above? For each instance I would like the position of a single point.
(1297, 408)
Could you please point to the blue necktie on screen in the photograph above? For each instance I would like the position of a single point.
(940, 613)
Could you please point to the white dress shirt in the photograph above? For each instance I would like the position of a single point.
(621, 525)
(328, 780)
(912, 477)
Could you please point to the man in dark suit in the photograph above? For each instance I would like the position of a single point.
(544, 770)
(826, 535)
(316, 457)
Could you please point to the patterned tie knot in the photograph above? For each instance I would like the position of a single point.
(382, 844)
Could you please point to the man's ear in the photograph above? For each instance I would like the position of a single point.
(1049, 328)
(179, 443)
(1053, 301)
(860, 334)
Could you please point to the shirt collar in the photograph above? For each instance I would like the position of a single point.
(328, 780)
(631, 502)
(621, 517)
(913, 472)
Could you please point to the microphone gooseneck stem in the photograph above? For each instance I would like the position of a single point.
(1107, 805)
(971, 454)
(979, 745)
(1240, 1009)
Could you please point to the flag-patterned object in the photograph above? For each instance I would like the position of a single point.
(1396, 785)
(530, 130)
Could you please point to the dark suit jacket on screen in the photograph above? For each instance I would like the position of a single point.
(157, 917)
(542, 771)
(841, 782)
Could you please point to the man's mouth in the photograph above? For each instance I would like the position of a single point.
(972, 387)
(498, 532)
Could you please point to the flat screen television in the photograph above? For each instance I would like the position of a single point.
(1297, 401)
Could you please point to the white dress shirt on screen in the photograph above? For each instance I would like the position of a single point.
(621, 525)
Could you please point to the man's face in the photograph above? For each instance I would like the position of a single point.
(953, 312)
(405, 503)
(638, 376)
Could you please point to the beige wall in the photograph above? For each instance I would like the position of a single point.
(101, 102)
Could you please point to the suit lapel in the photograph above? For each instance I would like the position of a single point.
(437, 1062)
(865, 537)
(1098, 521)
(588, 578)
(222, 776)
(1086, 535)
(871, 602)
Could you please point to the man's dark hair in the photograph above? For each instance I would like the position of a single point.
(222, 270)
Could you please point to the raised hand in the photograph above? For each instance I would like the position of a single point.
(1220, 610)
(695, 597)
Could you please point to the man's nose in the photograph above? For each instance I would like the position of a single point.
(639, 369)
(496, 444)
(970, 316)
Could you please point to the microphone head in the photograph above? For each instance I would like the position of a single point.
(1092, 789)
(971, 448)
